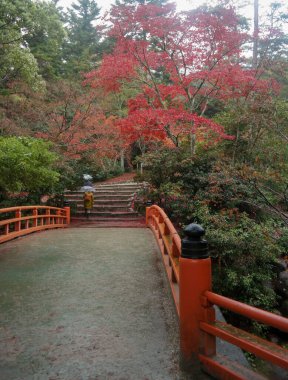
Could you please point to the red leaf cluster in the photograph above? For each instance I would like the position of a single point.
(179, 62)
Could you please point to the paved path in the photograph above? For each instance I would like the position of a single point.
(85, 304)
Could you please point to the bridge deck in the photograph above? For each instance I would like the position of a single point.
(83, 304)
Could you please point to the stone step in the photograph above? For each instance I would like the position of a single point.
(116, 214)
(133, 188)
(103, 202)
(110, 201)
(109, 224)
(111, 196)
(126, 184)
(97, 192)
(104, 219)
(105, 208)
(101, 197)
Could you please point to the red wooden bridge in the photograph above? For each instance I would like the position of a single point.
(92, 304)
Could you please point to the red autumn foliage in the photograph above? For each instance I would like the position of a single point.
(78, 127)
(180, 63)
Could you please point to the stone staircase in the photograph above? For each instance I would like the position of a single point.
(113, 206)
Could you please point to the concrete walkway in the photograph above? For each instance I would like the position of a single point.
(86, 304)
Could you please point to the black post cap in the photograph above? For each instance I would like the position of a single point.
(193, 247)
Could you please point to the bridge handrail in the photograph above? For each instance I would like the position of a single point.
(22, 208)
(53, 217)
(30, 217)
(169, 243)
(159, 212)
(248, 311)
(191, 282)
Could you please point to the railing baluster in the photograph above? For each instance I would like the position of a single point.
(47, 212)
(35, 214)
(166, 229)
(173, 276)
(175, 251)
(147, 216)
(67, 213)
(58, 212)
(18, 224)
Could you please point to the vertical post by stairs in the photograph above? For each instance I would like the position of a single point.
(67, 212)
(147, 214)
(195, 279)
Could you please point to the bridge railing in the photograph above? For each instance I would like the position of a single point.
(22, 220)
(170, 245)
(188, 267)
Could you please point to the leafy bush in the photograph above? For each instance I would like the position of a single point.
(72, 175)
(207, 191)
(245, 252)
(26, 164)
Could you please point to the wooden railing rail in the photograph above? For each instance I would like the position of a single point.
(251, 312)
(22, 220)
(170, 246)
(188, 267)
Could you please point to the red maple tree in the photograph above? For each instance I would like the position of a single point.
(77, 126)
(180, 63)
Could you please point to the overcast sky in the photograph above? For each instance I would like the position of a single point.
(105, 4)
(189, 4)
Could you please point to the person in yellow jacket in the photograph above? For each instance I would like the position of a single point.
(88, 198)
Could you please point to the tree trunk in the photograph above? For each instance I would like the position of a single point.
(192, 144)
(122, 160)
(256, 33)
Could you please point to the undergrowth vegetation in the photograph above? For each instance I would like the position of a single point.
(246, 236)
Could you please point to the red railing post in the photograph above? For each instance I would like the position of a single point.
(6, 231)
(68, 217)
(58, 213)
(18, 224)
(47, 212)
(194, 280)
(35, 221)
(147, 215)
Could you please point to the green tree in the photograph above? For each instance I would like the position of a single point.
(274, 42)
(26, 165)
(16, 59)
(46, 38)
(259, 154)
(83, 37)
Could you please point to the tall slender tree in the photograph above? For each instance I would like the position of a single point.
(135, 2)
(46, 39)
(256, 33)
(83, 36)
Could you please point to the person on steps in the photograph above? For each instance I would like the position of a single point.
(88, 202)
